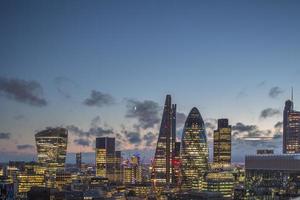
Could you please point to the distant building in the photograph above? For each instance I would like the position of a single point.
(51, 147)
(132, 171)
(220, 181)
(28, 180)
(264, 151)
(291, 128)
(78, 160)
(108, 161)
(194, 152)
(196, 195)
(176, 163)
(222, 142)
(162, 164)
(272, 176)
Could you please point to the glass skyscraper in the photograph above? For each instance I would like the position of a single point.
(194, 152)
(108, 161)
(162, 164)
(291, 128)
(222, 143)
(51, 147)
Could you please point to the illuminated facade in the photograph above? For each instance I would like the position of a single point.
(272, 176)
(176, 162)
(26, 181)
(291, 129)
(52, 148)
(194, 152)
(62, 179)
(162, 164)
(108, 161)
(132, 171)
(222, 142)
(220, 181)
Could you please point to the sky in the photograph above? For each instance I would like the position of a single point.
(103, 68)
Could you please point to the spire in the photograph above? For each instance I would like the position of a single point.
(292, 95)
(292, 98)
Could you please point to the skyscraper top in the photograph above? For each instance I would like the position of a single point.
(57, 132)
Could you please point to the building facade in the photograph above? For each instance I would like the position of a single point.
(291, 129)
(51, 147)
(162, 164)
(272, 176)
(108, 161)
(194, 152)
(222, 142)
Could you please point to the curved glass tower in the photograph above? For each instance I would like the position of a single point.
(51, 145)
(194, 151)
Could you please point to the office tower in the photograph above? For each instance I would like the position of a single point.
(272, 176)
(52, 148)
(222, 142)
(132, 171)
(108, 161)
(221, 179)
(176, 162)
(78, 160)
(162, 164)
(118, 169)
(136, 168)
(194, 151)
(28, 180)
(291, 128)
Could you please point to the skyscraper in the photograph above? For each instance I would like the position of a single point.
(162, 163)
(51, 145)
(194, 152)
(105, 157)
(291, 128)
(78, 160)
(222, 142)
(108, 161)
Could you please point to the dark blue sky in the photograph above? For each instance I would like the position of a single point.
(221, 56)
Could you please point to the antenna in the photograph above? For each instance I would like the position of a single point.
(292, 97)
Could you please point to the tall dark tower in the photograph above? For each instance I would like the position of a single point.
(162, 164)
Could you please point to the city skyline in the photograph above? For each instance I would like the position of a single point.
(103, 69)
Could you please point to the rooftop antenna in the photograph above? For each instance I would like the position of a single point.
(292, 95)
(292, 98)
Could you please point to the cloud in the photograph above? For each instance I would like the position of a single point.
(180, 119)
(28, 92)
(19, 117)
(146, 112)
(64, 85)
(149, 138)
(278, 125)
(241, 130)
(269, 112)
(96, 121)
(99, 99)
(5, 136)
(261, 84)
(92, 132)
(133, 137)
(275, 92)
(25, 146)
(82, 142)
(210, 125)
